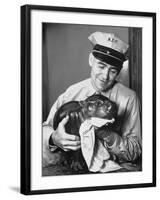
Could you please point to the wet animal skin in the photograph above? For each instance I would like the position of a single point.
(78, 111)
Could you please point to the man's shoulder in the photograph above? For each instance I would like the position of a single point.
(78, 91)
(79, 85)
(124, 90)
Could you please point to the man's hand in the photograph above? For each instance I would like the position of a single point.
(102, 133)
(106, 135)
(64, 140)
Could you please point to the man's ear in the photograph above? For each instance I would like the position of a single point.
(91, 58)
(119, 70)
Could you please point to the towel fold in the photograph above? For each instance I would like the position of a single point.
(95, 154)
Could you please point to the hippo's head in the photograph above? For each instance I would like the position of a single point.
(100, 106)
(78, 111)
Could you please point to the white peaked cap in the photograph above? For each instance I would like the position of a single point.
(109, 40)
(108, 48)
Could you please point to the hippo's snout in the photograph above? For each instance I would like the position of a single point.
(102, 107)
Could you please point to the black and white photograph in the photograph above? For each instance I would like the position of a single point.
(92, 84)
(80, 100)
(88, 107)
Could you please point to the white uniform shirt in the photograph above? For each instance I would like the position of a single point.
(126, 138)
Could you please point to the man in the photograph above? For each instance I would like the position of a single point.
(124, 142)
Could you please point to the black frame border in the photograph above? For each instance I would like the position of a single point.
(25, 153)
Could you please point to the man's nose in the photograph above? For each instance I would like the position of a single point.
(106, 74)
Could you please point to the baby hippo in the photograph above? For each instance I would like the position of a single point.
(78, 111)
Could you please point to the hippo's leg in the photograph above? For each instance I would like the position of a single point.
(78, 163)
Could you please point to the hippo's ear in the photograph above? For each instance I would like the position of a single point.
(82, 103)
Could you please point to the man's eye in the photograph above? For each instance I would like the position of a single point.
(101, 66)
(113, 71)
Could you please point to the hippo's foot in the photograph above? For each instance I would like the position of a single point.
(78, 166)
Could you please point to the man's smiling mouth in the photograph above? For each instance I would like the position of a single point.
(103, 81)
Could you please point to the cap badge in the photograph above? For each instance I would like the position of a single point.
(112, 39)
(108, 52)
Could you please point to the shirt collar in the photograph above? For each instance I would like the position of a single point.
(92, 90)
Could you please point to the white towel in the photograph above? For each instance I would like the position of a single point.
(95, 154)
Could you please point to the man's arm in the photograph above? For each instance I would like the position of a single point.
(48, 125)
(126, 147)
(50, 147)
(57, 138)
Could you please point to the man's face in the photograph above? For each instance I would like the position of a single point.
(103, 75)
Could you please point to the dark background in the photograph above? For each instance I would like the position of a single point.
(65, 54)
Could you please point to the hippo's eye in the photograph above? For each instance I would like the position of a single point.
(105, 106)
(91, 106)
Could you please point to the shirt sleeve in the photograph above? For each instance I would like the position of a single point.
(48, 125)
(127, 147)
(56, 105)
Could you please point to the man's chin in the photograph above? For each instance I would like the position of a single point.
(104, 88)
